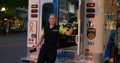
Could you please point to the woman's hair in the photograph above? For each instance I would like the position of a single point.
(53, 15)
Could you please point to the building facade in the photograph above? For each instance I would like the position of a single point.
(111, 14)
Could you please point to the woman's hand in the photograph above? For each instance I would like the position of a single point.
(33, 50)
(74, 23)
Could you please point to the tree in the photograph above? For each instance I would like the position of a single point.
(14, 3)
(11, 5)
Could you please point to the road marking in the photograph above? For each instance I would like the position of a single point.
(11, 39)
(11, 45)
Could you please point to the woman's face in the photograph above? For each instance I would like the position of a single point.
(52, 19)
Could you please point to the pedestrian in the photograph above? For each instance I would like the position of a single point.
(3, 28)
(50, 35)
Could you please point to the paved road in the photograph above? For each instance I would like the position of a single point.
(12, 47)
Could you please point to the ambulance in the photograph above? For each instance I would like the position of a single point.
(88, 34)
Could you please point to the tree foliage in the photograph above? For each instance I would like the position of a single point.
(14, 3)
(10, 6)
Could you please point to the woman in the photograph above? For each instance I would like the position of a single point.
(50, 34)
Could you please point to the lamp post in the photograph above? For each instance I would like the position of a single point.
(4, 22)
(2, 10)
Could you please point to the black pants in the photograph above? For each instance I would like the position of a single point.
(47, 55)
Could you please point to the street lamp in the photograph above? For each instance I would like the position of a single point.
(2, 12)
(5, 23)
(3, 9)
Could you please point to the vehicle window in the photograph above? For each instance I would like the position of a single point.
(47, 9)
